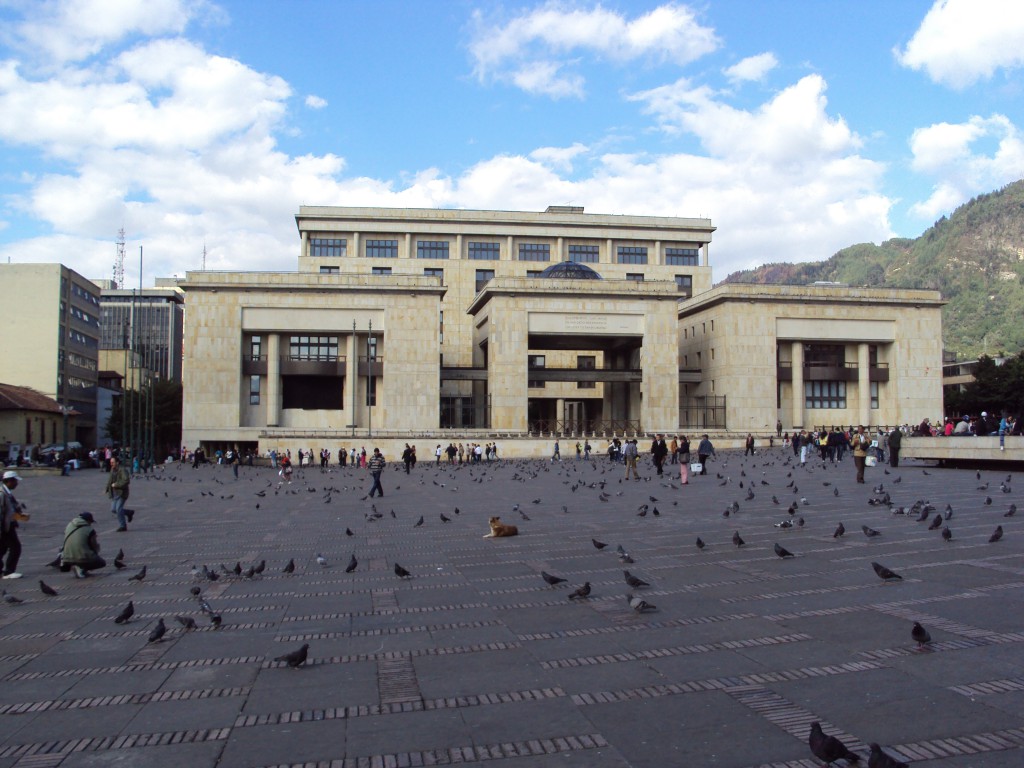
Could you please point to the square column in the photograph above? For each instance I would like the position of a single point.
(797, 356)
(273, 379)
(864, 383)
(351, 378)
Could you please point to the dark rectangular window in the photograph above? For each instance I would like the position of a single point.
(313, 393)
(637, 277)
(255, 347)
(371, 390)
(434, 272)
(534, 252)
(684, 283)
(825, 355)
(327, 247)
(330, 270)
(632, 254)
(586, 363)
(825, 395)
(584, 254)
(874, 395)
(254, 390)
(432, 249)
(380, 270)
(536, 361)
(534, 272)
(322, 349)
(485, 251)
(382, 249)
(483, 276)
(682, 257)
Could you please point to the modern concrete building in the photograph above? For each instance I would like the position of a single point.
(142, 333)
(448, 323)
(50, 338)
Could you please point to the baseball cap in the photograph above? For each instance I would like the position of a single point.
(10, 474)
(87, 516)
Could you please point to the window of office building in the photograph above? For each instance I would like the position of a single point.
(825, 395)
(432, 249)
(254, 390)
(632, 254)
(327, 247)
(321, 349)
(682, 257)
(636, 277)
(434, 272)
(874, 395)
(534, 363)
(584, 254)
(685, 284)
(483, 276)
(534, 272)
(586, 363)
(330, 270)
(380, 270)
(824, 355)
(485, 251)
(381, 249)
(255, 347)
(534, 252)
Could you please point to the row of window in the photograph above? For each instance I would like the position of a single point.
(86, 341)
(85, 317)
(323, 349)
(831, 395)
(312, 393)
(486, 251)
(83, 294)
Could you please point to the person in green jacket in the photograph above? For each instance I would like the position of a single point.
(118, 482)
(81, 547)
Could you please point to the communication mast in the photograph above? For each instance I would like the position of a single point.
(119, 260)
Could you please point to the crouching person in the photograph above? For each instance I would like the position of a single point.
(81, 547)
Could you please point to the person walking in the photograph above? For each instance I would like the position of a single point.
(557, 455)
(895, 440)
(778, 428)
(705, 449)
(861, 444)
(629, 454)
(118, 482)
(659, 451)
(407, 458)
(10, 514)
(749, 445)
(81, 550)
(684, 460)
(376, 466)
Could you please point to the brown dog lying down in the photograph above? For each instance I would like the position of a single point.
(500, 529)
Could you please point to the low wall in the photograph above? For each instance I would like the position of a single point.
(963, 449)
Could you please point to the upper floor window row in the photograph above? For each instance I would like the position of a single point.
(381, 249)
(328, 247)
(632, 254)
(682, 257)
(81, 293)
(432, 249)
(589, 254)
(484, 251)
(534, 252)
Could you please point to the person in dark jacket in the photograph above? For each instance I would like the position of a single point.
(81, 547)
(895, 439)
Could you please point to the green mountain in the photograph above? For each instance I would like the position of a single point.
(975, 258)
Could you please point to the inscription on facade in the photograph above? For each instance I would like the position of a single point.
(584, 323)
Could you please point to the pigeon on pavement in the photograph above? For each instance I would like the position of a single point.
(158, 631)
(552, 580)
(737, 539)
(878, 759)
(581, 592)
(297, 658)
(352, 564)
(828, 748)
(126, 613)
(47, 589)
(997, 534)
(920, 634)
(840, 530)
(400, 572)
(870, 532)
(138, 576)
(633, 581)
(885, 574)
(782, 552)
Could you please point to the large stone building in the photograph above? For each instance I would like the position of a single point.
(50, 339)
(470, 324)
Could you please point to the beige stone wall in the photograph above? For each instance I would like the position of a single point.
(31, 307)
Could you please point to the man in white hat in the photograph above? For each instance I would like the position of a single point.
(10, 512)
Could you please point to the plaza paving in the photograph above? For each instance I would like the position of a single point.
(475, 658)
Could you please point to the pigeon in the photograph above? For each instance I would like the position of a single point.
(237, 569)
(12, 599)
(581, 592)
(445, 518)
(949, 512)
(289, 567)
(625, 558)
(158, 632)
(400, 572)
(782, 552)
(139, 576)
(737, 539)
(885, 574)
(47, 589)
(633, 581)
(1011, 511)
(947, 534)
(786, 524)
(196, 591)
(878, 759)
(700, 543)
(870, 532)
(936, 523)
(828, 748)
(352, 564)
(186, 621)
(552, 580)
(640, 605)
(920, 635)
(840, 530)
(215, 620)
(295, 659)
(598, 544)
(419, 522)
(997, 534)
(348, 532)
(321, 560)
(127, 612)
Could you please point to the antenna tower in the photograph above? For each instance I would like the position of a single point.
(204, 257)
(119, 260)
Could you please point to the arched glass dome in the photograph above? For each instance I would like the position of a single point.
(570, 270)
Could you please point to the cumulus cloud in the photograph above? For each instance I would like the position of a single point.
(752, 67)
(558, 157)
(533, 49)
(955, 156)
(315, 102)
(962, 41)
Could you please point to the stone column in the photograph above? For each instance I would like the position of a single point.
(863, 384)
(559, 412)
(798, 384)
(351, 378)
(305, 244)
(408, 246)
(508, 247)
(458, 247)
(273, 379)
(559, 247)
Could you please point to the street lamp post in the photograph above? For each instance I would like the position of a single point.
(369, 381)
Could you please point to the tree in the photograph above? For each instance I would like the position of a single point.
(996, 388)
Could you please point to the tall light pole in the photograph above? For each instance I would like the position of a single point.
(355, 382)
(369, 381)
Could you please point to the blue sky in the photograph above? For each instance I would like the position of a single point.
(797, 127)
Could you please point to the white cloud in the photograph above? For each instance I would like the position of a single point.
(315, 102)
(531, 50)
(955, 156)
(752, 67)
(962, 41)
(559, 158)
